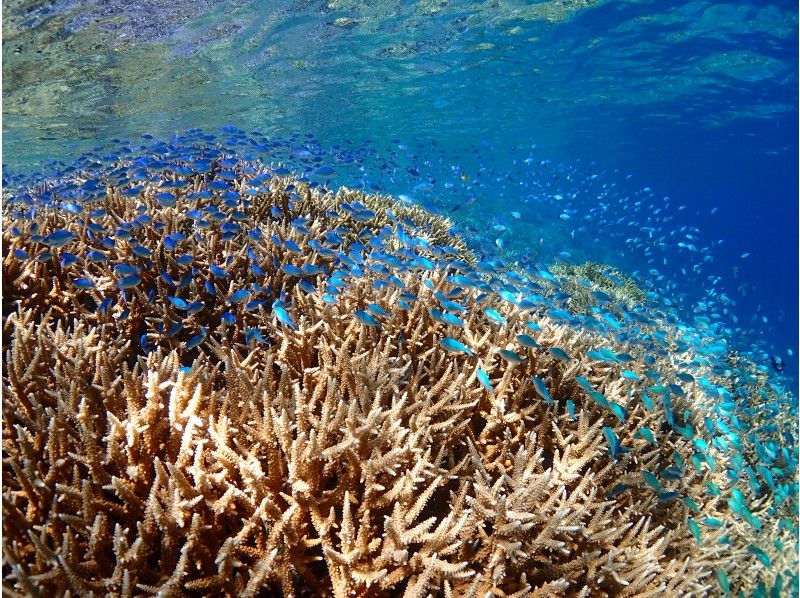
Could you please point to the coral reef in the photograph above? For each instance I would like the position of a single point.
(222, 382)
(582, 281)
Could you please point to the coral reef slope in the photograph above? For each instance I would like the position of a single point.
(224, 382)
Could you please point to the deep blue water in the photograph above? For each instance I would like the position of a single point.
(477, 111)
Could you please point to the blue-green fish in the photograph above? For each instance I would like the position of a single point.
(528, 341)
(239, 296)
(197, 339)
(652, 481)
(542, 389)
(495, 317)
(689, 502)
(510, 356)
(722, 577)
(617, 410)
(129, 282)
(454, 346)
(585, 384)
(483, 377)
(559, 353)
(83, 283)
(366, 318)
(629, 375)
(615, 449)
(762, 556)
(283, 316)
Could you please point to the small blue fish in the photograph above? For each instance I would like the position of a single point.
(129, 282)
(377, 310)
(366, 318)
(618, 489)
(145, 343)
(104, 305)
(217, 271)
(652, 481)
(239, 296)
(495, 317)
(59, 238)
(306, 286)
(67, 259)
(168, 279)
(283, 316)
(542, 389)
(483, 378)
(96, 256)
(292, 270)
(83, 283)
(722, 578)
(510, 356)
(179, 303)
(617, 410)
(197, 339)
(253, 334)
(691, 504)
(615, 449)
(292, 246)
(141, 251)
(762, 556)
(454, 346)
(559, 354)
(396, 282)
(528, 341)
(629, 375)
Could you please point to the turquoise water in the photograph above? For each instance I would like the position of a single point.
(498, 107)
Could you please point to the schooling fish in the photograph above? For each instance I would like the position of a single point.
(129, 282)
(495, 317)
(542, 389)
(83, 283)
(197, 339)
(366, 318)
(454, 346)
(483, 377)
(510, 356)
(559, 354)
(528, 341)
(282, 315)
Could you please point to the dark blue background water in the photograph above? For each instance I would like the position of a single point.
(695, 100)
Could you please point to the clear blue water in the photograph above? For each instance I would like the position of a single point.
(477, 110)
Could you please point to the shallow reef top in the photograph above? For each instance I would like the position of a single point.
(244, 382)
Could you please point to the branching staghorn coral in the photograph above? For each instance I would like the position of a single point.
(582, 280)
(338, 455)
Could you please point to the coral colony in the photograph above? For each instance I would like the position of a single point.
(221, 380)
